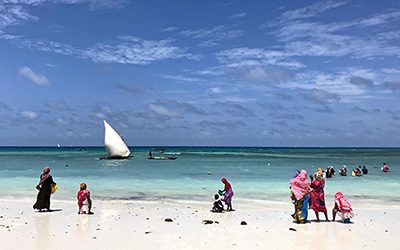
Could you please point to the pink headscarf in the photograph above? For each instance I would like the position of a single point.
(342, 203)
(300, 185)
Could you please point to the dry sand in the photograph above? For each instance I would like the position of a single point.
(142, 225)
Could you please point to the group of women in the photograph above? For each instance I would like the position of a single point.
(311, 195)
(304, 194)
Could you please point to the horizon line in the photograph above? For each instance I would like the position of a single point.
(192, 146)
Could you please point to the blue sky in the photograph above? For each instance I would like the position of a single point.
(260, 73)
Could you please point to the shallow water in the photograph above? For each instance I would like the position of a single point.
(255, 173)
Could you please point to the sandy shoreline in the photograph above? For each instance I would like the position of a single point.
(141, 225)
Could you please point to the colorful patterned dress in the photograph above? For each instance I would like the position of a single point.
(317, 196)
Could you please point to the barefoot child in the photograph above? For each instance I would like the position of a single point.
(343, 208)
(218, 207)
(84, 201)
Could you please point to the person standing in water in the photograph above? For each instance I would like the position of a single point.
(44, 187)
(330, 172)
(385, 168)
(364, 170)
(317, 195)
(228, 194)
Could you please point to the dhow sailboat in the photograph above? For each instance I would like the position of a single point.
(115, 145)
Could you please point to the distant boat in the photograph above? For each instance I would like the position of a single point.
(58, 146)
(161, 156)
(115, 146)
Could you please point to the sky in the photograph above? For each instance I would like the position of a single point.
(200, 73)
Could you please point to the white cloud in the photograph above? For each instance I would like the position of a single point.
(62, 121)
(160, 110)
(379, 19)
(100, 115)
(181, 78)
(341, 45)
(244, 56)
(132, 50)
(125, 50)
(34, 77)
(29, 115)
(170, 29)
(301, 37)
(14, 14)
(238, 15)
(271, 133)
(215, 90)
(311, 10)
(93, 4)
(212, 36)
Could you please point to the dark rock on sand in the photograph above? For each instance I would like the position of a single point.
(205, 222)
(243, 223)
(148, 232)
(292, 229)
(168, 220)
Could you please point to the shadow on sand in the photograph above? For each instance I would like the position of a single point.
(49, 211)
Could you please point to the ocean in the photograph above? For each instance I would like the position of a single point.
(255, 173)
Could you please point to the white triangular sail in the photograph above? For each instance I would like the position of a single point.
(114, 144)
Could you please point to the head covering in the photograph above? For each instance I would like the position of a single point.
(83, 186)
(227, 184)
(46, 170)
(319, 174)
(300, 185)
(342, 203)
(44, 175)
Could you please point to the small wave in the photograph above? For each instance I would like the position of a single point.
(247, 154)
(172, 153)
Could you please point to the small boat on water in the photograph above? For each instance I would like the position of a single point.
(159, 154)
(115, 145)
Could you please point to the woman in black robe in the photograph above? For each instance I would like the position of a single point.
(44, 187)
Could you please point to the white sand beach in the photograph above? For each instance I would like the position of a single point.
(142, 225)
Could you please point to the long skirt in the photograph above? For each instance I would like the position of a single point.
(301, 209)
(317, 201)
(228, 197)
(43, 198)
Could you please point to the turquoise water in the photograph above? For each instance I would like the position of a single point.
(255, 173)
